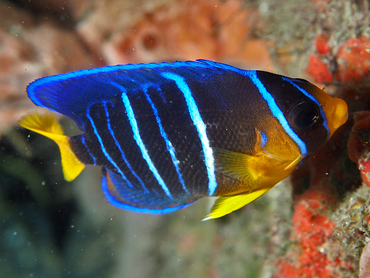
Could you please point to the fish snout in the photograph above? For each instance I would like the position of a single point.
(338, 114)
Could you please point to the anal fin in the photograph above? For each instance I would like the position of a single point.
(226, 205)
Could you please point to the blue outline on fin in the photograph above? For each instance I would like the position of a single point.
(45, 82)
(111, 199)
(276, 110)
(200, 126)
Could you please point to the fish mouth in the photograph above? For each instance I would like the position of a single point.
(336, 111)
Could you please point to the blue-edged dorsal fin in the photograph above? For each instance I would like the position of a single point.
(135, 198)
(226, 205)
(72, 93)
(49, 127)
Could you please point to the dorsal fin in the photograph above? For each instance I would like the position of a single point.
(71, 93)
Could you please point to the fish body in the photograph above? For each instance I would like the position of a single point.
(168, 134)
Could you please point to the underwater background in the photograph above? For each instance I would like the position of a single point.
(314, 224)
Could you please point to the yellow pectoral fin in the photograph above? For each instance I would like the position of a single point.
(49, 127)
(226, 205)
(238, 166)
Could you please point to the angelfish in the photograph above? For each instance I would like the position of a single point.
(167, 134)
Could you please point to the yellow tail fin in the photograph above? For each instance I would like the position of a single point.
(49, 127)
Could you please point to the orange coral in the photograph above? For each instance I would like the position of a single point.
(312, 229)
(318, 70)
(353, 60)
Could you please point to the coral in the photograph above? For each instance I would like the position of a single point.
(358, 144)
(359, 138)
(318, 69)
(324, 234)
(220, 33)
(321, 44)
(29, 50)
(330, 217)
(312, 231)
(39, 39)
(353, 60)
(352, 229)
(364, 167)
(365, 262)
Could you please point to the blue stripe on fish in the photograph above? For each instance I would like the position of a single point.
(88, 149)
(169, 145)
(264, 138)
(201, 128)
(139, 141)
(325, 122)
(104, 149)
(120, 149)
(276, 111)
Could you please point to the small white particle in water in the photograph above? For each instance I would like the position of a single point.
(72, 226)
(31, 274)
(263, 8)
(43, 183)
(215, 6)
(15, 233)
(133, 48)
(111, 219)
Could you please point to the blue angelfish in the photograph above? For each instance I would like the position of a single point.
(168, 134)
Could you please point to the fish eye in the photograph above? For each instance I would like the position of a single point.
(304, 115)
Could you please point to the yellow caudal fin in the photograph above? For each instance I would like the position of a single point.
(49, 127)
(226, 205)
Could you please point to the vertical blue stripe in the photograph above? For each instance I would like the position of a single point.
(169, 145)
(120, 149)
(103, 148)
(88, 149)
(325, 123)
(276, 110)
(200, 126)
(264, 139)
(139, 141)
